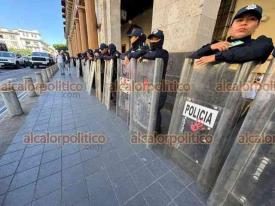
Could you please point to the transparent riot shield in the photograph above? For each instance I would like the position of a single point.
(144, 102)
(125, 74)
(82, 66)
(91, 77)
(248, 175)
(205, 116)
(99, 78)
(86, 66)
(71, 65)
(77, 67)
(107, 87)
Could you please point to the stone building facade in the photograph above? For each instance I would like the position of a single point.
(24, 39)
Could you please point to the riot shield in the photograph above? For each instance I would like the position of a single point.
(204, 117)
(99, 70)
(86, 66)
(107, 87)
(77, 68)
(247, 177)
(91, 77)
(144, 102)
(125, 74)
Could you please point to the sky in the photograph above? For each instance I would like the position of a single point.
(42, 15)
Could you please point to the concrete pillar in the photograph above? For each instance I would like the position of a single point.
(48, 73)
(69, 46)
(74, 43)
(113, 18)
(38, 77)
(190, 24)
(10, 99)
(29, 86)
(51, 71)
(39, 84)
(91, 24)
(78, 36)
(44, 76)
(83, 29)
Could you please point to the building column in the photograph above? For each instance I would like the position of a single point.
(83, 28)
(70, 46)
(113, 20)
(78, 36)
(75, 43)
(91, 24)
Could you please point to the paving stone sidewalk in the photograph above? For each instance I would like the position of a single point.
(116, 173)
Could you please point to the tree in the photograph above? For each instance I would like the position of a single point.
(22, 52)
(60, 47)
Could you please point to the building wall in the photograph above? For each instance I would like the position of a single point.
(23, 39)
(144, 20)
(267, 25)
(10, 37)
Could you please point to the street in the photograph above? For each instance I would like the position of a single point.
(18, 74)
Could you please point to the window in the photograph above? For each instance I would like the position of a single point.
(6, 54)
(224, 18)
(28, 42)
(12, 36)
(1, 36)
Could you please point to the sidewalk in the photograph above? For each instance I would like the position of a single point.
(116, 173)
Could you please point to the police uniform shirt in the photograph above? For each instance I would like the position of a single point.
(240, 51)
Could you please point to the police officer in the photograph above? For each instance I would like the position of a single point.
(113, 53)
(138, 47)
(239, 47)
(156, 40)
(90, 55)
(103, 51)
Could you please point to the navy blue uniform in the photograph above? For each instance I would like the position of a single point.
(139, 47)
(136, 51)
(113, 53)
(249, 50)
(156, 51)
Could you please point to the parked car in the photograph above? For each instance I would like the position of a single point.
(27, 60)
(20, 61)
(39, 59)
(8, 59)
